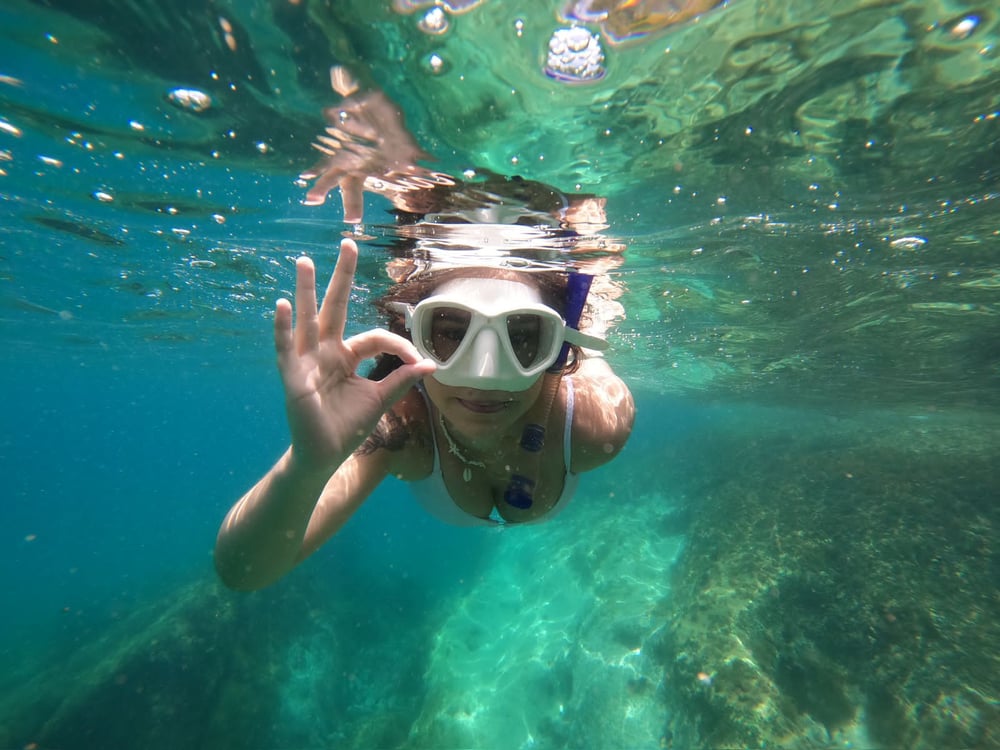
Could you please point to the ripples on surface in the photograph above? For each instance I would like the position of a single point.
(775, 173)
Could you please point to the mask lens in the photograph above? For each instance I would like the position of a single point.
(525, 333)
(447, 329)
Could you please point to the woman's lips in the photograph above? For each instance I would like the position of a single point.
(484, 407)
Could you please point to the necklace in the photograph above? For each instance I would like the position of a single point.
(454, 450)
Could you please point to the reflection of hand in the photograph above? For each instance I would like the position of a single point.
(366, 137)
(331, 409)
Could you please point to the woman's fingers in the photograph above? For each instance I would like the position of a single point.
(379, 341)
(352, 193)
(306, 325)
(312, 326)
(392, 387)
(325, 182)
(333, 313)
(283, 343)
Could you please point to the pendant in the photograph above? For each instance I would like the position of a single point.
(467, 474)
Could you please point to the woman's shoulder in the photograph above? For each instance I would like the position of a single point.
(603, 414)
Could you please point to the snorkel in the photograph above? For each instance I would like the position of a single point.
(520, 489)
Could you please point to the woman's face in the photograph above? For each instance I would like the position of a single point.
(485, 389)
(485, 334)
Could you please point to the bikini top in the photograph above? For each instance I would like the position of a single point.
(433, 496)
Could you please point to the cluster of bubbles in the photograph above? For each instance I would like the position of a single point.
(574, 54)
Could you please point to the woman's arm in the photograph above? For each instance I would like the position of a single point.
(604, 412)
(331, 410)
(288, 515)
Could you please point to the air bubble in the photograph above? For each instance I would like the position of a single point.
(436, 64)
(963, 29)
(908, 243)
(434, 22)
(575, 56)
(192, 100)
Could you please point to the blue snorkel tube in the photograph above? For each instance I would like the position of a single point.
(577, 289)
(520, 489)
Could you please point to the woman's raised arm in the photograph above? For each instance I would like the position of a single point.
(331, 410)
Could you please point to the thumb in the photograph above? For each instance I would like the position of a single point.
(393, 386)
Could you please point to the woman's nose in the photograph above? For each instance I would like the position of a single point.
(486, 353)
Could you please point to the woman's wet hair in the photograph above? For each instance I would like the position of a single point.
(551, 286)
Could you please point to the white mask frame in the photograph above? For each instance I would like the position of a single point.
(480, 316)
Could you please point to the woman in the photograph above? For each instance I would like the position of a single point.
(487, 437)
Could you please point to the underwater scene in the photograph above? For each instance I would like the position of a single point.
(790, 210)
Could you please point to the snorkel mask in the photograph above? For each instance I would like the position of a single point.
(489, 334)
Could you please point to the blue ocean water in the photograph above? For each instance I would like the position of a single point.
(797, 546)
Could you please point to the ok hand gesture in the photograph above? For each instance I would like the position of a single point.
(331, 409)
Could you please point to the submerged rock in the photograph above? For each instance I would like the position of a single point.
(774, 579)
(840, 589)
(302, 664)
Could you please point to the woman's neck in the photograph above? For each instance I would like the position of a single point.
(486, 447)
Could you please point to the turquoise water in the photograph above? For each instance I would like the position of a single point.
(796, 549)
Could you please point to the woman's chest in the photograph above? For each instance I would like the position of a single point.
(517, 485)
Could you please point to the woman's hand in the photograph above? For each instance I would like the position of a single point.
(331, 409)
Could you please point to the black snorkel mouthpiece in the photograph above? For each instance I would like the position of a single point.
(520, 490)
